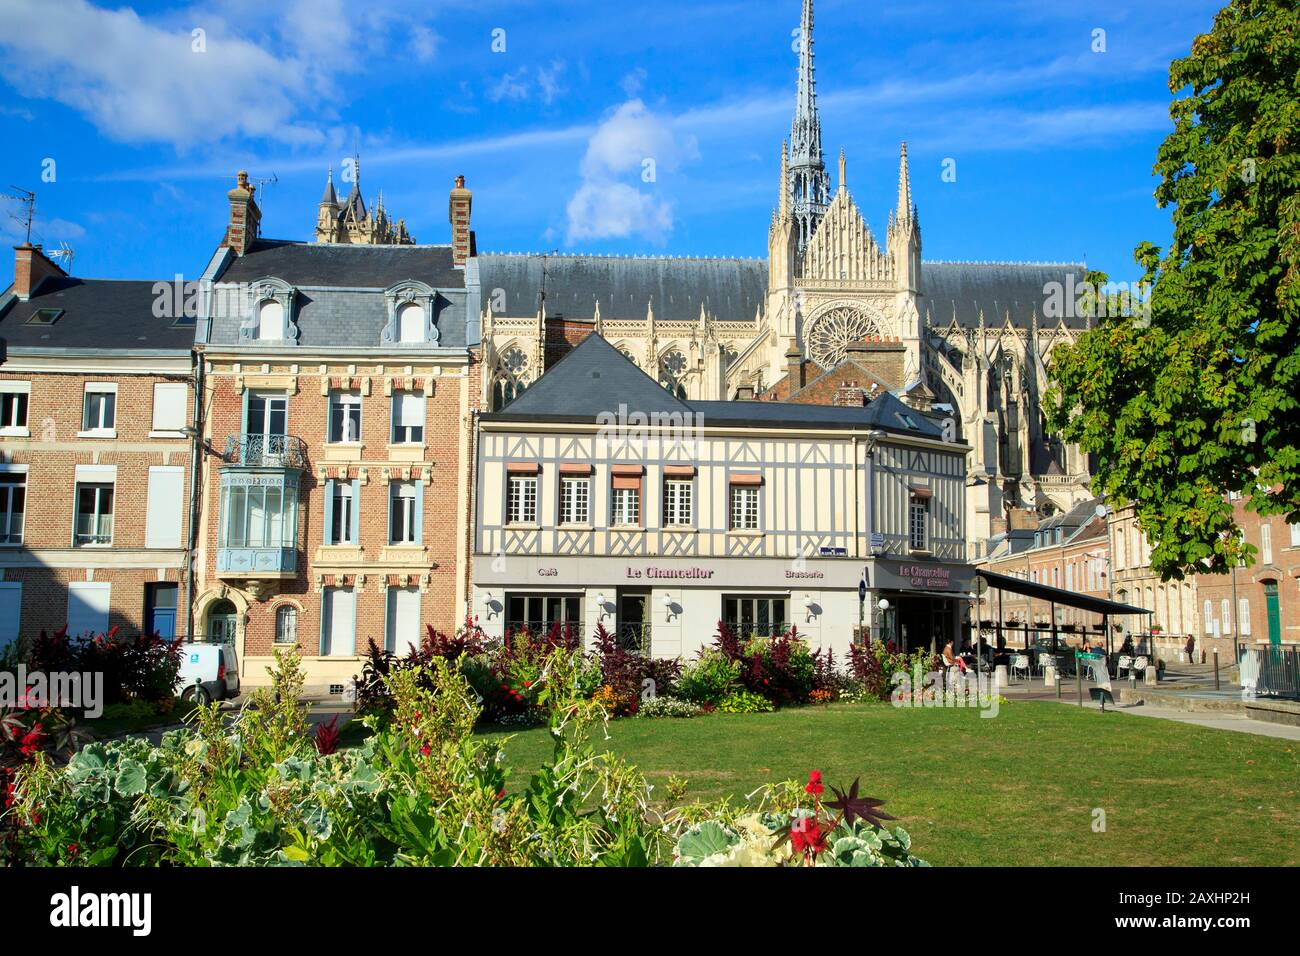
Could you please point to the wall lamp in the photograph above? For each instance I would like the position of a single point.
(670, 607)
(601, 613)
(489, 605)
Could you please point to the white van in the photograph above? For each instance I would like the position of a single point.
(209, 671)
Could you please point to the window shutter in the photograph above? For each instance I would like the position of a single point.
(329, 510)
(164, 507)
(88, 605)
(419, 512)
(11, 607)
(355, 531)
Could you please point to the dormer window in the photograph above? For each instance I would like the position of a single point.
(410, 323)
(270, 320)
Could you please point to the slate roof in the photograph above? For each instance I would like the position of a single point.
(734, 289)
(730, 289)
(346, 266)
(339, 301)
(97, 314)
(964, 288)
(595, 378)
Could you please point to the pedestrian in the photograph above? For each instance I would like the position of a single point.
(1191, 648)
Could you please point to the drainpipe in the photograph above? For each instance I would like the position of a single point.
(196, 460)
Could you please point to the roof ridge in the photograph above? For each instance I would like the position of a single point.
(609, 255)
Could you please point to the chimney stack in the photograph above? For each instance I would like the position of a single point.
(245, 217)
(794, 367)
(31, 268)
(458, 212)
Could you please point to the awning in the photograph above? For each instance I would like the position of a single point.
(1045, 592)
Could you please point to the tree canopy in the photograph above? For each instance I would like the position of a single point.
(1194, 396)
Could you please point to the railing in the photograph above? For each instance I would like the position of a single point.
(255, 450)
(635, 637)
(1275, 671)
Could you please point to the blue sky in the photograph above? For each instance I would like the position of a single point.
(1053, 142)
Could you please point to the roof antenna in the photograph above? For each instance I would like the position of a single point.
(64, 252)
(28, 199)
(261, 184)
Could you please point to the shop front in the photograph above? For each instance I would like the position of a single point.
(671, 607)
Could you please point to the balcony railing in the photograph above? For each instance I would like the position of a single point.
(255, 450)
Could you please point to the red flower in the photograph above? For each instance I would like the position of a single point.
(807, 836)
(31, 742)
(501, 793)
(815, 783)
(72, 849)
(528, 683)
(426, 749)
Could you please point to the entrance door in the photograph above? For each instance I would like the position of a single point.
(222, 622)
(1274, 613)
(160, 610)
(633, 627)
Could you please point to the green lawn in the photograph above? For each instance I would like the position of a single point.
(1018, 789)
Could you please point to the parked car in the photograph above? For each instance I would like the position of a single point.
(209, 671)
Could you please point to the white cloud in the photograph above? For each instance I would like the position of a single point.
(606, 210)
(511, 86)
(631, 141)
(519, 86)
(548, 81)
(632, 83)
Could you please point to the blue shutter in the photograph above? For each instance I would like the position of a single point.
(324, 619)
(355, 530)
(419, 511)
(388, 528)
(329, 511)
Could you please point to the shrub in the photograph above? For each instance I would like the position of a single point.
(781, 668)
(667, 707)
(745, 702)
(143, 667)
(709, 678)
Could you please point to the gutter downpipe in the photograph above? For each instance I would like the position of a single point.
(196, 461)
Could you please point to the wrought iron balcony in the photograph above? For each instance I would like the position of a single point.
(255, 450)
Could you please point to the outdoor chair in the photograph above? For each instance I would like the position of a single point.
(1020, 662)
(1139, 666)
(1123, 664)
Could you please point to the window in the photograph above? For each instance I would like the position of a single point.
(94, 515)
(1207, 612)
(270, 320)
(1225, 608)
(1295, 535)
(918, 523)
(1243, 616)
(404, 513)
(408, 418)
(625, 496)
(538, 612)
(521, 500)
(170, 406)
(744, 507)
(410, 323)
(338, 629)
(99, 410)
(88, 604)
(575, 500)
(13, 407)
(345, 417)
(11, 611)
(13, 506)
(286, 624)
(164, 507)
(257, 516)
(1266, 543)
(677, 501)
(403, 621)
(755, 615)
(343, 517)
(267, 413)
(1119, 550)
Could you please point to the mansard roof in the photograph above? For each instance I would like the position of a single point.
(964, 289)
(596, 379)
(345, 265)
(730, 290)
(94, 314)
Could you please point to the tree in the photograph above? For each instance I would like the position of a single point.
(1194, 396)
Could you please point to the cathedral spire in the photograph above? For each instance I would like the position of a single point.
(807, 182)
(783, 203)
(904, 211)
(843, 177)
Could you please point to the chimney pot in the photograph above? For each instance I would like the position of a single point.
(31, 268)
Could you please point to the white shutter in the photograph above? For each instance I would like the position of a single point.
(88, 607)
(11, 611)
(170, 406)
(165, 507)
(340, 622)
(403, 619)
(412, 408)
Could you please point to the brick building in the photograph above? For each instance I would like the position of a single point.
(1266, 594)
(338, 388)
(95, 471)
(1067, 551)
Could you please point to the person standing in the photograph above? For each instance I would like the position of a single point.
(1191, 648)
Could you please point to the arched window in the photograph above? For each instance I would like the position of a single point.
(410, 323)
(286, 625)
(270, 320)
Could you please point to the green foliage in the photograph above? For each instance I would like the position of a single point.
(709, 678)
(1201, 399)
(745, 702)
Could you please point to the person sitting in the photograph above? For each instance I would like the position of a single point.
(950, 659)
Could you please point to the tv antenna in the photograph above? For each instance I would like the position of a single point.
(261, 183)
(28, 199)
(542, 296)
(64, 252)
